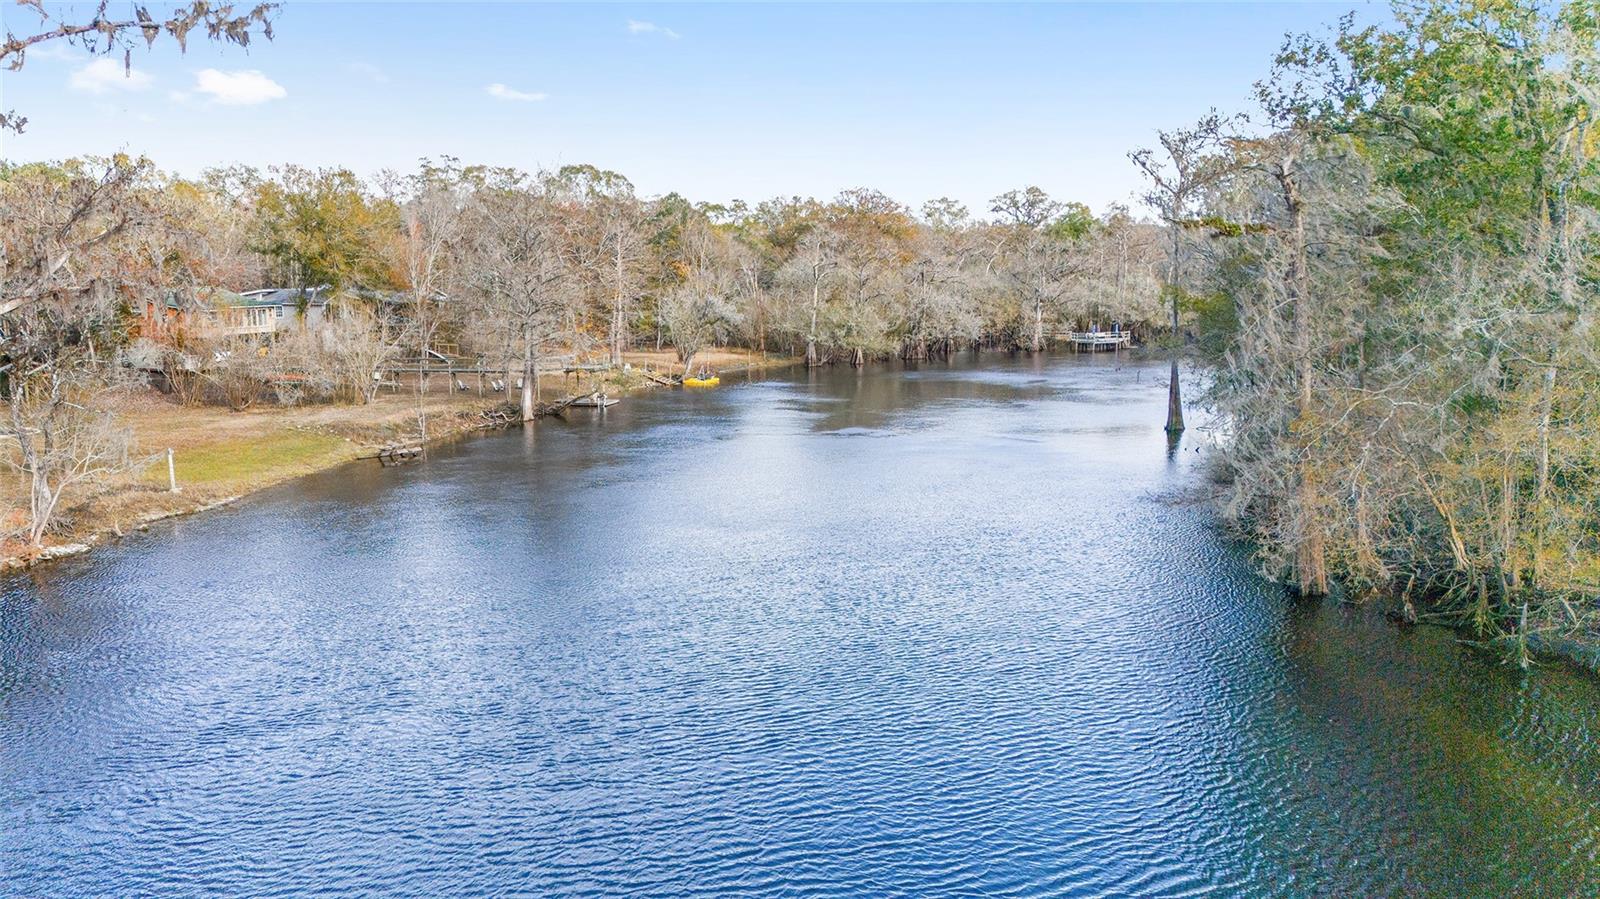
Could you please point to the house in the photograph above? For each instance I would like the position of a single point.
(266, 311)
(278, 309)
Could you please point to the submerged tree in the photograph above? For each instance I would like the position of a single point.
(1191, 165)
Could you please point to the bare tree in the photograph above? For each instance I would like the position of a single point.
(812, 268)
(239, 372)
(519, 277)
(949, 283)
(1120, 279)
(1039, 256)
(76, 243)
(698, 312)
(352, 349)
(432, 219)
(609, 248)
(60, 231)
(1192, 165)
(57, 442)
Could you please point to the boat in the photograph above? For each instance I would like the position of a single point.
(702, 382)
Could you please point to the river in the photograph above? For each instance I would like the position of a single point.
(957, 629)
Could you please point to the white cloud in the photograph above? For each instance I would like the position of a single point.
(500, 91)
(56, 50)
(243, 87)
(370, 71)
(637, 27)
(105, 75)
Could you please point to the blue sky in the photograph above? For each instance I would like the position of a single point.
(716, 101)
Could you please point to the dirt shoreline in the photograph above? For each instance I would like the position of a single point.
(221, 457)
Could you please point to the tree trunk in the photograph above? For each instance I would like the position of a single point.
(44, 506)
(1546, 395)
(1310, 561)
(811, 336)
(1547, 388)
(40, 506)
(1174, 397)
(1174, 401)
(530, 378)
(616, 332)
(616, 314)
(1311, 568)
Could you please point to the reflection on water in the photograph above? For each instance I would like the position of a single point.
(953, 629)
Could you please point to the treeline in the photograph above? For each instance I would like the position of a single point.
(114, 271)
(1393, 265)
(512, 263)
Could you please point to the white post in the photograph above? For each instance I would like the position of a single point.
(172, 472)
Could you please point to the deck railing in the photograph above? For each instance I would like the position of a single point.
(1112, 339)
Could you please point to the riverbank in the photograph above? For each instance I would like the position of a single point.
(220, 456)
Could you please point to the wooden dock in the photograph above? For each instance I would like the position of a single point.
(399, 455)
(1093, 341)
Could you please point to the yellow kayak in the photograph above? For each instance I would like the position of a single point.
(702, 382)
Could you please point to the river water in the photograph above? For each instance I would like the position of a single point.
(959, 629)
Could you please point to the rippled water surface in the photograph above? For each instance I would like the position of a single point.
(964, 629)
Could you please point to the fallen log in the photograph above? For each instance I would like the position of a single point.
(557, 407)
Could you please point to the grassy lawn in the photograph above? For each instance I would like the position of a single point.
(232, 465)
